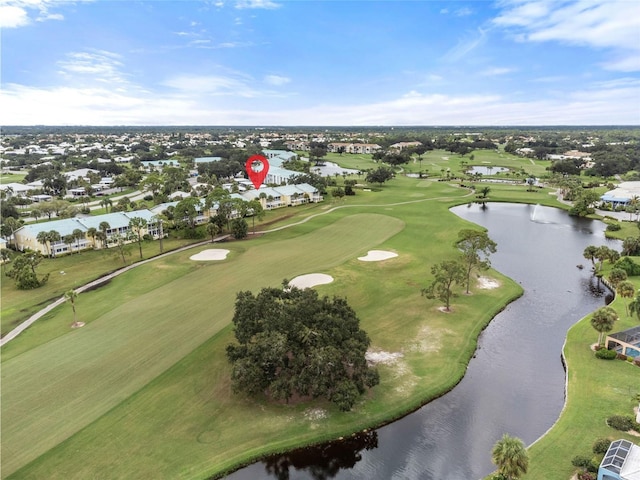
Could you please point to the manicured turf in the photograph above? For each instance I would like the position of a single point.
(142, 390)
(596, 390)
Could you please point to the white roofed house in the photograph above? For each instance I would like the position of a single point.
(287, 195)
(26, 237)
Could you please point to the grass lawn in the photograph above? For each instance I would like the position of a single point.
(100, 374)
(142, 391)
(596, 390)
(8, 177)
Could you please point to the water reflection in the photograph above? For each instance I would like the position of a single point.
(323, 461)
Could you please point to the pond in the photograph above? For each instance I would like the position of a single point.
(486, 170)
(515, 382)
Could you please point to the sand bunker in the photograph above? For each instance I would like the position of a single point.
(210, 254)
(311, 280)
(377, 256)
(487, 283)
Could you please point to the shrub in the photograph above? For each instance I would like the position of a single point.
(623, 423)
(601, 445)
(586, 476)
(605, 354)
(613, 227)
(581, 461)
(628, 265)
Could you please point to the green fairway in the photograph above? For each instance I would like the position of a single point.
(90, 370)
(143, 391)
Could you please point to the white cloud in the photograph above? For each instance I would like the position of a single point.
(276, 80)
(13, 17)
(19, 13)
(463, 12)
(191, 103)
(254, 4)
(212, 85)
(496, 71)
(466, 46)
(92, 66)
(610, 24)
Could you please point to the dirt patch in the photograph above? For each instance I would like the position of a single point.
(380, 356)
(315, 414)
(487, 283)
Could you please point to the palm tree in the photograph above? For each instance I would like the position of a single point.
(68, 240)
(634, 306)
(54, 236)
(212, 229)
(70, 296)
(136, 225)
(91, 233)
(590, 254)
(626, 289)
(510, 456)
(43, 238)
(603, 320)
(77, 234)
(106, 203)
(104, 228)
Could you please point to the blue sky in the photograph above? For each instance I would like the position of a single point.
(269, 62)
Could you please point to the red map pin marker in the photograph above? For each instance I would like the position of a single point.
(257, 168)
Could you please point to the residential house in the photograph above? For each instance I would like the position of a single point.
(26, 236)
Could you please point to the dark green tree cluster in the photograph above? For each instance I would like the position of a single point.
(379, 175)
(23, 271)
(292, 342)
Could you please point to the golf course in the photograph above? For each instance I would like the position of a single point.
(143, 389)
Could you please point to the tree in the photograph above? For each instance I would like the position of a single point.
(92, 233)
(626, 289)
(603, 320)
(43, 238)
(186, 212)
(473, 243)
(70, 296)
(213, 229)
(292, 342)
(54, 237)
(68, 240)
(77, 235)
(510, 456)
(634, 307)
(616, 276)
(24, 271)
(12, 225)
(122, 248)
(379, 175)
(254, 208)
(446, 273)
(137, 225)
(484, 191)
(239, 228)
(590, 253)
(317, 150)
(106, 203)
(104, 238)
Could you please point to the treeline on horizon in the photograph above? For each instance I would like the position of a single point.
(229, 129)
